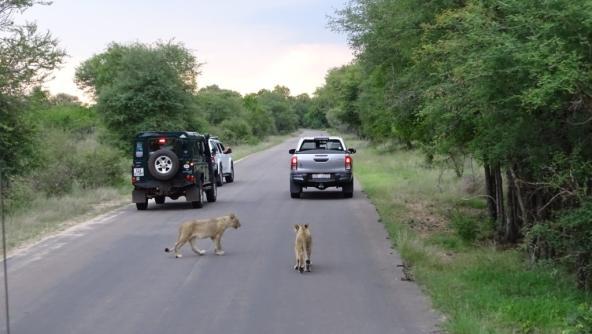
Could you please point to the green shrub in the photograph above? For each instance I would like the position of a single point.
(466, 227)
(65, 160)
(70, 118)
(569, 239)
(235, 131)
(581, 321)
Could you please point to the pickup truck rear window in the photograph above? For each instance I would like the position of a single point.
(328, 146)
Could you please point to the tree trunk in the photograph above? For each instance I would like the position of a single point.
(513, 222)
(499, 201)
(490, 192)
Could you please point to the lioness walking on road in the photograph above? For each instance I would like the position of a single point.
(204, 228)
(302, 247)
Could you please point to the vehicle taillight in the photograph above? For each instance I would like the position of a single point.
(134, 180)
(294, 163)
(190, 178)
(162, 141)
(348, 162)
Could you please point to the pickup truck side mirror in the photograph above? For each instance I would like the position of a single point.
(214, 150)
(228, 151)
(351, 150)
(292, 150)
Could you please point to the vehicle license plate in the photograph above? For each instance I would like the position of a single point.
(321, 176)
(138, 171)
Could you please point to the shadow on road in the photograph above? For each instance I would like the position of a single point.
(321, 195)
(176, 205)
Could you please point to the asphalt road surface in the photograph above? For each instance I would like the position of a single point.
(111, 275)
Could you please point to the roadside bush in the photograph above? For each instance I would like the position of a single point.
(236, 131)
(567, 238)
(581, 321)
(97, 165)
(465, 227)
(66, 161)
(71, 118)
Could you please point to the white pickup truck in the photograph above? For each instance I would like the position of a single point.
(321, 162)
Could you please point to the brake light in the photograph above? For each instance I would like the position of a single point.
(134, 180)
(190, 178)
(162, 141)
(348, 162)
(294, 163)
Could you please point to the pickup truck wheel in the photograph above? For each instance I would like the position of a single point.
(212, 193)
(295, 190)
(159, 199)
(230, 178)
(143, 205)
(348, 190)
(219, 176)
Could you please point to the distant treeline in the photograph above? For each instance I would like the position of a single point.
(508, 83)
(141, 87)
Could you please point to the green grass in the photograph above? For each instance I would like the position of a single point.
(480, 288)
(46, 215)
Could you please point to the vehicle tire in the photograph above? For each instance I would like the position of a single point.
(200, 202)
(163, 164)
(295, 190)
(348, 190)
(219, 176)
(142, 206)
(230, 178)
(212, 193)
(159, 199)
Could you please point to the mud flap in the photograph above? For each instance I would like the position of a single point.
(192, 194)
(138, 196)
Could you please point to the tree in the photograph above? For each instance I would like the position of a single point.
(141, 87)
(218, 104)
(26, 58)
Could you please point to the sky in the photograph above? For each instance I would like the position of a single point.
(244, 45)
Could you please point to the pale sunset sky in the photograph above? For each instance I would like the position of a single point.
(244, 45)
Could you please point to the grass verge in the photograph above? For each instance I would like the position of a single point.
(441, 232)
(46, 215)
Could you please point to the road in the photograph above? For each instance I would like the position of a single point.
(111, 275)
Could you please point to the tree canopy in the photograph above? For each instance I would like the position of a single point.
(142, 87)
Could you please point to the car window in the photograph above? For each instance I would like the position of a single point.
(156, 144)
(321, 145)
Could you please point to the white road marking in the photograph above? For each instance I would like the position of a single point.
(37, 250)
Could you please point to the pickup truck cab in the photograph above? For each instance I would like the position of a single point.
(321, 162)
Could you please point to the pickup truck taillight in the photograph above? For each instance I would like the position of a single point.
(348, 162)
(294, 163)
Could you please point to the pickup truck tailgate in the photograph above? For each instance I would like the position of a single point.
(321, 163)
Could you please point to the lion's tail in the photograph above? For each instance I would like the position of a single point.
(167, 250)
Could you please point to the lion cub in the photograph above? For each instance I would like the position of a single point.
(204, 228)
(302, 247)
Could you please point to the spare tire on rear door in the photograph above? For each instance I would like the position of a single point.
(163, 164)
